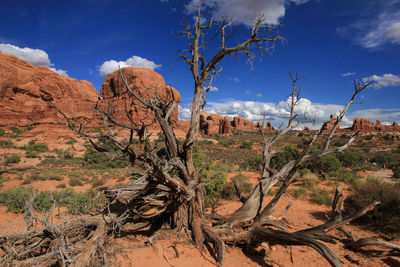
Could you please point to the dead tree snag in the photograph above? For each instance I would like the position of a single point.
(170, 193)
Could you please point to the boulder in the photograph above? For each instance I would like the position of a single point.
(147, 84)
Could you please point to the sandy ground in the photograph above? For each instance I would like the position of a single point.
(166, 250)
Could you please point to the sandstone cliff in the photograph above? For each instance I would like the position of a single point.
(365, 125)
(216, 124)
(25, 90)
(146, 84)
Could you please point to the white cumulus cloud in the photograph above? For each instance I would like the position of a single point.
(243, 11)
(385, 80)
(34, 56)
(184, 113)
(277, 113)
(135, 61)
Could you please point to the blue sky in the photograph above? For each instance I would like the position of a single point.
(330, 42)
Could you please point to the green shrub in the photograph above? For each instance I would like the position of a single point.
(252, 163)
(226, 143)
(75, 181)
(243, 184)
(97, 160)
(214, 184)
(12, 158)
(32, 146)
(61, 186)
(2, 132)
(246, 145)
(310, 180)
(321, 196)
(96, 182)
(77, 203)
(388, 158)
(6, 144)
(281, 158)
(205, 142)
(29, 127)
(43, 201)
(15, 130)
(386, 216)
(350, 159)
(15, 198)
(298, 193)
(347, 177)
(327, 164)
(31, 154)
(71, 142)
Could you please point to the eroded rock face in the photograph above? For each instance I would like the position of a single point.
(25, 90)
(216, 124)
(147, 84)
(267, 127)
(365, 125)
(328, 126)
(243, 124)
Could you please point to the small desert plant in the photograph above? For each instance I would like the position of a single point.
(252, 163)
(12, 158)
(37, 147)
(386, 216)
(326, 164)
(321, 196)
(345, 176)
(243, 184)
(299, 192)
(62, 186)
(226, 143)
(246, 145)
(15, 130)
(15, 198)
(71, 142)
(280, 159)
(2, 132)
(6, 144)
(31, 154)
(75, 181)
(310, 180)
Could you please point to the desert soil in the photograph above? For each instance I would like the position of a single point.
(166, 250)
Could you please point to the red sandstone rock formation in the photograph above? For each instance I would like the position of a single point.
(267, 127)
(240, 123)
(146, 83)
(24, 90)
(365, 125)
(328, 126)
(214, 124)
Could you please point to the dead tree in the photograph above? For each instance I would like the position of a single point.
(169, 192)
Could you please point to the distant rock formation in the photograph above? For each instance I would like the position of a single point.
(25, 90)
(365, 125)
(216, 124)
(328, 126)
(146, 83)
